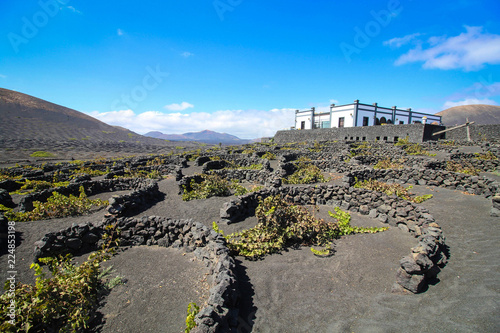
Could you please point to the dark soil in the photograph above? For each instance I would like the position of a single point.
(296, 291)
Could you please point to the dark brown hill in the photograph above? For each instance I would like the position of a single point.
(24, 117)
(480, 113)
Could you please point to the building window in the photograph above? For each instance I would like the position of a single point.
(401, 122)
(365, 121)
(341, 122)
(302, 125)
(383, 120)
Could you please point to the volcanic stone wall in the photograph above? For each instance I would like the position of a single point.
(221, 311)
(477, 133)
(91, 187)
(391, 133)
(416, 270)
(471, 184)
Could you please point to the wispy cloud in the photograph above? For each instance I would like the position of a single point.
(119, 32)
(400, 41)
(479, 90)
(73, 9)
(246, 124)
(469, 51)
(3, 76)
(187, 54)
(468, 101)
(179, 107)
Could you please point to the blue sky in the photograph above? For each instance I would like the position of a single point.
(243, 67)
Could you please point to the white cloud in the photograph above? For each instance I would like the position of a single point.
(119, 32)
(398, 42)
(469, 51)
(334, 101)
(74, 10)
(178, 107)
(187, 54)
(468, 101)
(246, 124)
(3, 76)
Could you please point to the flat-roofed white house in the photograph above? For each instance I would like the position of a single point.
(358, 115)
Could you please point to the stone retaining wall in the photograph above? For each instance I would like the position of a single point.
(91, 187)
(477, 133)
(390, 133)
(144, 192)
(477, 185)
(221, 311)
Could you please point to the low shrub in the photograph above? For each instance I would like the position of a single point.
(62, 301)
(466, 168)
(392, 189)
(306, 173)
(412, 148)
(57, 205)
(486, 156)
(211, 186)
(282, 224)
(31, 186)
(192, 311)
(387, 163)
(268, 156)
(42, 153)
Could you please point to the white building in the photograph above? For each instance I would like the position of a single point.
(358, 114)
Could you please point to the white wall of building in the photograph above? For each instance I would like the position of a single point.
(303, 116)
(354, 114)
(346, 112)
(322, 120)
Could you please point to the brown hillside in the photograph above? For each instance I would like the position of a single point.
(480, 113)
(24, 117)
(29, 124)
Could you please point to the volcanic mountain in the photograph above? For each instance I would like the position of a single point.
(203, 136)
(481, 114)
(24, 117)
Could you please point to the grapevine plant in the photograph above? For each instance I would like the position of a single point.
(65, 299)
(282, 224)
(306, 173)
(57, 205)
(392, 189)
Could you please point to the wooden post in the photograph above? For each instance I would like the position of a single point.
(468, 130)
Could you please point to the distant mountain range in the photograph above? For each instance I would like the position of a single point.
(481, 114)
(203, 136)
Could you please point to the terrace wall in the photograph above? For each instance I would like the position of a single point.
(391, 133)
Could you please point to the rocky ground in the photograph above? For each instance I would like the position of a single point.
(295, 291)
